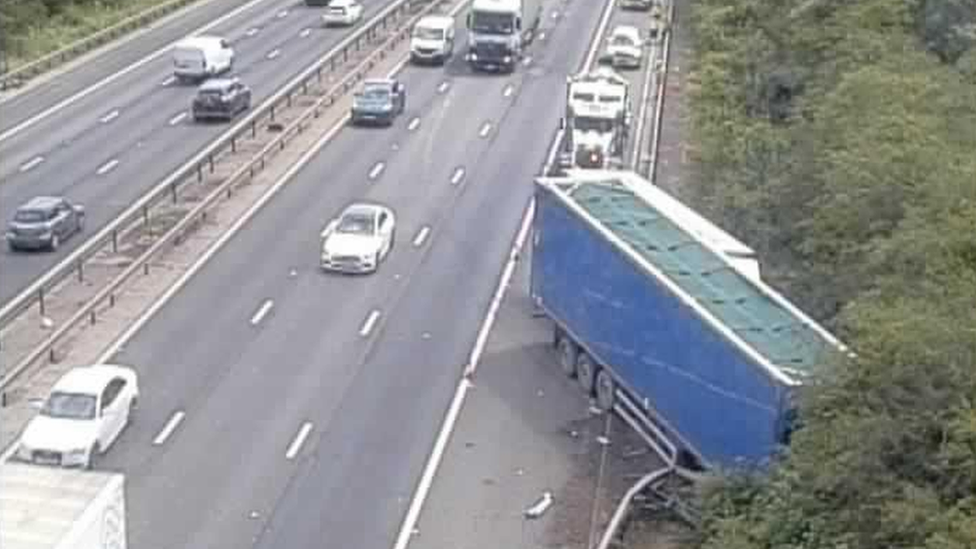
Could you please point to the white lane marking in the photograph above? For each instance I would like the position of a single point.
(485, 129)
(252, 31)
(542, 36)
(527, 60)
(299, 439)
(109, 117)
(274, 53)
(450, 419)
(443, 86)
(305, 33)
(414, 123)
(282, 14)
(108, 166)
(374, 315)
(555, 14)
(377, 170)
(262, 312)
(601, 30)
(106, 81)
(31, 164)
(508, 90)
(168, 429)
(178, 118)
(169, 80)
(421, 236)
(457, 176)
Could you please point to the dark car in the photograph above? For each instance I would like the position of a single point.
(222, 99)
(637, 5)
(317, 3)
(44, 222)
(379, 102)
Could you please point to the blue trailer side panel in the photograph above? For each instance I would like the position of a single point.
(720, 404)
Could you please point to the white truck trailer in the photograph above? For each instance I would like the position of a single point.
(53, 508)
(499, 31)
(597, 123)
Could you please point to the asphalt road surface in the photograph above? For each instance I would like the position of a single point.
(372, 392)
(108, 148)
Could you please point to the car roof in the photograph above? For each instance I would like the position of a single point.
(436, 21)
(626, 30)
(378, 82)
(41, 203)
(215, 84)
(90, 379)
(340, 3)
(199, 42)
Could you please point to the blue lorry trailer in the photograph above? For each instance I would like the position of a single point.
(649, 312)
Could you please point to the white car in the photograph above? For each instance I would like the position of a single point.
(82, 416)
(359, 239)
(625, 47)
(342, 13)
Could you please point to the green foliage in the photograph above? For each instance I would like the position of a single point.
(839, 139)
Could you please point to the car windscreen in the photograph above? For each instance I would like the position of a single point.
(70, 406)
(621, 40)
(356, 223)
(427, 33)
(32, 216)
(492, 23)
(376, 92)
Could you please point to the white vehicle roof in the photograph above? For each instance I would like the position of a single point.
(440, 22)
(627, 31)
(200, 42)
(91, 379)
(40, 505)
(342, 3)
(497, 6)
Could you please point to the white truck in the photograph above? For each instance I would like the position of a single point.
(597, 122)
(499, 31)
(54, 508)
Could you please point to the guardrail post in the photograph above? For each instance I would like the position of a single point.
(254, 128)
(91, 316)
(272, 113)
(172, 190)
(210, 160)
(199, 173)
(40, 302)
(288, 100)
(145, 220)
(115, 242)
(233, 144)
(81, 271)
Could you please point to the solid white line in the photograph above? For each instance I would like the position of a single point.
(168, 81)
(296, 444)
(171, 426)
(178, 118)
(262, 312)
(457, 176)
(305, 33)
(252, 31)
(507, 92)
(414, 123)
(443, 86)
(595, 47)
(106, 81)
(450, 419)
(374, 315)
(31, 164)
(377, 170)
(109, 117)
(642, 111)
(108, 166)
(421, 236)
(485, 129)
(274, 53)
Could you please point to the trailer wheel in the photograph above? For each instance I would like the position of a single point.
(567, 355)
(605, 390)
(585, 372)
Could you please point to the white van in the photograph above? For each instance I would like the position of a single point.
(201, 57)
(432, 39)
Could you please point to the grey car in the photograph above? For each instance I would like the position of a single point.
(379, 102)
(44, 222)
(222, 99)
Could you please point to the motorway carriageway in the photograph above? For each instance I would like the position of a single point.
(284, 407)
(108, 148)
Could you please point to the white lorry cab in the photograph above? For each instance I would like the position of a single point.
(432, 39)
(201, 57)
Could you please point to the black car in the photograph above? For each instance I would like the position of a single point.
(44, 222)
(221, 98)
(380, 101)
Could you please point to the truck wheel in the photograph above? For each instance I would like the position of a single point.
(567, 355)
(585, 372)
(605, 388)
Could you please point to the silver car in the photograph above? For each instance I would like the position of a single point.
(44, 222)
(359, 239)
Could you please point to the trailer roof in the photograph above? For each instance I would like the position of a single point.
(790, 343)
(39, 505)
